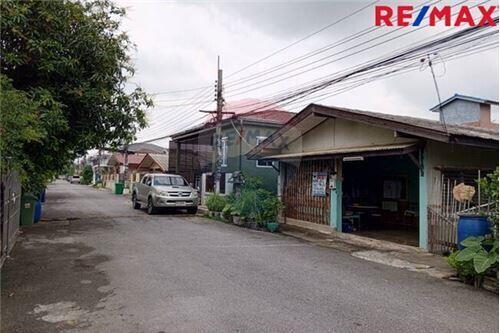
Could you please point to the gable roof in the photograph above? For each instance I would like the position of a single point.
(160, 159)
(416, 127)
(464, 98)
(143, 148)
(272, 116)
(119, 158)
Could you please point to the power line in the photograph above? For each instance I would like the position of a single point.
(320, 50)
(354, 53)
(430, 46)
(301, 93)
(312, 82)
(403, 69)
(276, 52)
(179, 91)
(304, 38)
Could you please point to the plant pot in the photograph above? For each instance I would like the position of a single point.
(237, 220)
(272, 226)
(251, 225)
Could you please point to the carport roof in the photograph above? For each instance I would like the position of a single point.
(313, 114)
(363, 151)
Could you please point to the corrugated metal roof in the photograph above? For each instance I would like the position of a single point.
(119, 158)
(414, 127)
(422, 123)
(275, 116)
(144, 148)
(343, 151)
(161, 160)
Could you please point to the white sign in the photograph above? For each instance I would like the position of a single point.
(319, 184)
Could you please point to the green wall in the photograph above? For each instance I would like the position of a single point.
(250, 133)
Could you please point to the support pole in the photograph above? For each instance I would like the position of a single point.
(218, 130)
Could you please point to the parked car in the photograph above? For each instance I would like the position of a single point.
(75, 179)
(159, 190)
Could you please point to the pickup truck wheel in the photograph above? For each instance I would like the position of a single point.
(135, 204)
(151, 206)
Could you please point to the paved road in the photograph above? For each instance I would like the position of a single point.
(100, 266)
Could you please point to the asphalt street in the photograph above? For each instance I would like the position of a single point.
(96, 265)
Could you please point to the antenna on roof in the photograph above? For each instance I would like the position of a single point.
(441, 115)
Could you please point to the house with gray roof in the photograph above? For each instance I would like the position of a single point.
(377, 175)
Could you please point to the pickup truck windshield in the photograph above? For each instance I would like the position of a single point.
(169, 181)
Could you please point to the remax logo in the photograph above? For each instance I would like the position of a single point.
(405, 16)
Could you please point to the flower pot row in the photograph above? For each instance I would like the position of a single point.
(248, 223)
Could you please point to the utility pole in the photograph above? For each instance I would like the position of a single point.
(218, 130)
(441, 114)
(218, 125)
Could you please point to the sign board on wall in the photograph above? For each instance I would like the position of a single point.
(319, 184)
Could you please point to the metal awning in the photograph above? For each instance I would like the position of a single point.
(377, 150)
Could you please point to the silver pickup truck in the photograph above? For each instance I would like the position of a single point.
(157, 190)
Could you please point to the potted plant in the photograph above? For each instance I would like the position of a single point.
(271, 208)
(236, 216)
(215, 204)
(226, 212)
(477, 256)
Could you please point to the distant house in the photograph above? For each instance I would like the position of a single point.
(153, 163)
(123, 164)
(468, 110)
(377, 175)
(192, 153)
(100, 166)
(116, 168)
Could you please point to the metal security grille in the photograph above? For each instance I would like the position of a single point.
(299, 202)
(442, 216)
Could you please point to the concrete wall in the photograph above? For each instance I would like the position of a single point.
(341, 133)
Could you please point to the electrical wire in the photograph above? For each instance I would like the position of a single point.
(303, 38)
(310, 54)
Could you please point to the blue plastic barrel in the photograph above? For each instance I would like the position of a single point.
(38, 211)
(471, 225)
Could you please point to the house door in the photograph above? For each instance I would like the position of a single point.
(303, 193)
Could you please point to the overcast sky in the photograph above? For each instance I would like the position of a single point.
(178, 44)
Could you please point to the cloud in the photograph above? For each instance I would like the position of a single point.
(178, 44)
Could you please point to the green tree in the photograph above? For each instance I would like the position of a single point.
(19, 127)
(86, 175)
(70, 61)
(489, 188)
